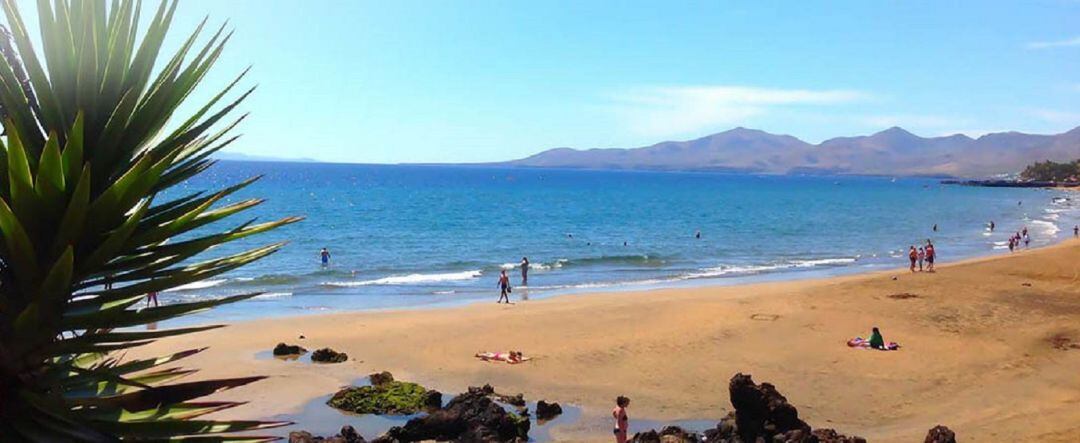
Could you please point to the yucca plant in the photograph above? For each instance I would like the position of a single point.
(90, 143)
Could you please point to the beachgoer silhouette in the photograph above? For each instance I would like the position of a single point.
(504, 287)
(524, 271)
(325, 256)
(697, 234)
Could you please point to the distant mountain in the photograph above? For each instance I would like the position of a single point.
(255, 158)
(893, 151)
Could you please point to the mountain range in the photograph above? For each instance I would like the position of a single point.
(893, 151)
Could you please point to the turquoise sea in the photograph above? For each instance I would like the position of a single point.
(415, 236)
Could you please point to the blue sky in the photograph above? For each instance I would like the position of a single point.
(442, 81)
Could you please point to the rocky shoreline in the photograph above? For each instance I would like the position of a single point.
(761, 414)
(1012, 183)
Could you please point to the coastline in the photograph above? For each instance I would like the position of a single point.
(977, 350)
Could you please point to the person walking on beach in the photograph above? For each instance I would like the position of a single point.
(622, 421)
(922, 257)
(1027, 240)
(1076, 230)
(913, 256)
(504, 287)
(325, 256)
(524, 271)
(1024, 231)
(1012, 244)
(931, 254)
(151, 297)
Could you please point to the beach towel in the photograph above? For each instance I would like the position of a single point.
(501, 357)
(862, 343)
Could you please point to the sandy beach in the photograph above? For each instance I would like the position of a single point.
(986, 351)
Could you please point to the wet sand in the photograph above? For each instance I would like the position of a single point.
(988, 350)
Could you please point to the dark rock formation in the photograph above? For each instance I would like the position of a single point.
(670, 434)
(547, 411)
(432, 399)
(469, 417)
(379, 378)
(392, 397)
(327, 355)
(284, 349)
(347, 435)
(761, 414)
(760, 410)
(940, 434)
(512, 400)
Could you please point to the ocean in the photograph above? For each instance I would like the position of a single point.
(420, 236)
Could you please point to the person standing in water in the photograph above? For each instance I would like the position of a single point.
(935, 227)
(524, 271)
(991, 226)
(697, 234)
(622, 421)
(504, 287)
(325, 255)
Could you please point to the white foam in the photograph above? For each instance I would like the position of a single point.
(198, 285)
(272, 295)
(754, 269)
(535, 266)
(1046, 228)
(409, 279)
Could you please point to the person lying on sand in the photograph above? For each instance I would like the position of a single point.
(511, 357)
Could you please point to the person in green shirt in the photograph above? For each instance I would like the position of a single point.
(876, 341)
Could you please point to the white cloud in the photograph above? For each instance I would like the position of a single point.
(1057, 117)
(1075, 41)
(683, 110)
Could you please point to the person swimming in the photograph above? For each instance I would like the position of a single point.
(504, 287)
(622, 421)
(325, 255)
(697, 234)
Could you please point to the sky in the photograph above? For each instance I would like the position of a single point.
(478, 81)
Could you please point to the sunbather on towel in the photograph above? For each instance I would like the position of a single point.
(511, 357)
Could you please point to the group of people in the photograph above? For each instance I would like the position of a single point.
(504, 281)
(923, 254)
(1022, 236)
